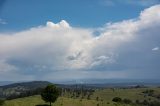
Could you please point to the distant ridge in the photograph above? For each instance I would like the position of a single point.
(32, 84)
(3, 83)
(22, 87)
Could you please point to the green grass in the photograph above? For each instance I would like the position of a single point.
(62, 101)
(133, 94)
(27, 101)
(105, 98)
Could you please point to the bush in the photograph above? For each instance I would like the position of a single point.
(127, 101)
(117, 99)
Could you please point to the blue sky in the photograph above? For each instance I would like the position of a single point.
(79, 39)
(23, 14)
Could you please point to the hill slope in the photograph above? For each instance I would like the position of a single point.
(62, 101)
(18, 88)
(105, 97)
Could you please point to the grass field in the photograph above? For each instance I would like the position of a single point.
(62, 101)
(133, 94)
(105, 98)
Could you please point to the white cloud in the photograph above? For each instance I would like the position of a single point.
(103, 60)
(56, 47)
(62, 24)
(54, 43)
(155, 49)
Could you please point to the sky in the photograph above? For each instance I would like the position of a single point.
(59, 40)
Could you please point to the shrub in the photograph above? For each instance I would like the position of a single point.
(117, 99)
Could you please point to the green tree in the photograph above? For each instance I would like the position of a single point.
(50, 94)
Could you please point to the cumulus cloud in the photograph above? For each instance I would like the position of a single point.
(58, 50)
(62, 24)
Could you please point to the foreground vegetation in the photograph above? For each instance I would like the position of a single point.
(100, 97)
(62, 101)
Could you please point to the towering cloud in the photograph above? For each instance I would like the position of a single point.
(60, 51)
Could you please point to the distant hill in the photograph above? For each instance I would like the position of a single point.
(2, 83)
(28, 85)
(21, 88)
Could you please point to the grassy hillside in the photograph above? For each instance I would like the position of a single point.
(62, 101)
(19, 88)
(133, 94)
(105, 97)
